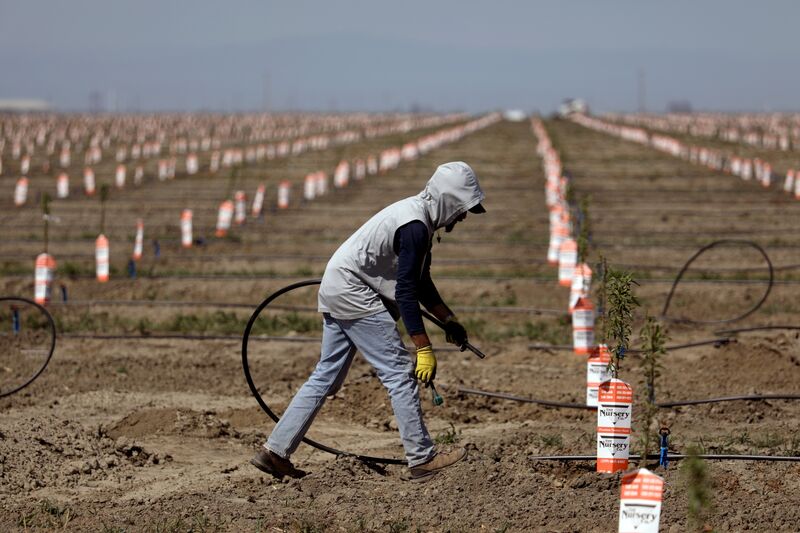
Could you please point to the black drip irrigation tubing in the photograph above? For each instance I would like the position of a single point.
(715, 342)
(213, 258)
(662, 405)
(675, 457)
(756, 328)
(221, 277)
(257, 395)
(51, 325)
(725, 242)
(299, 308)
(461, 390)
(190, 337)
(721, 341)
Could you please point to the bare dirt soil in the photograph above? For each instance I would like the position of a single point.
(154, 434)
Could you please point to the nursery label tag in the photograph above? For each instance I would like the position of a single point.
(616, 391)
(640, 502)
(582, 341)
(567, 258)
(581, 283)
(596, 372)
(614, 415)
(583, 315)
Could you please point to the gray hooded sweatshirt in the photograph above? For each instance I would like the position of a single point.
(363, 271)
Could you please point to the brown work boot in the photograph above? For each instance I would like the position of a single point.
(426, 471)
(275, 465)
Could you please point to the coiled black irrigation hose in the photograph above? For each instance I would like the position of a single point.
(51, 325)
(725, 242)
(551, 403)
(254, 390)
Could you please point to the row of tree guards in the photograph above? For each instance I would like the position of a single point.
(772, 131)
(234, 211)
(641, 490)
(246, 151)
(715, 159)
(54, 140)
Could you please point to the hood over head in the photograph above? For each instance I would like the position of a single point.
(452, 190)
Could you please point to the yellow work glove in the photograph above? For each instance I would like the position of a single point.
(425, 369)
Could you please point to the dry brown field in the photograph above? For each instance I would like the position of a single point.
(147, 433)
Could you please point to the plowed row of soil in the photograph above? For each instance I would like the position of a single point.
(154, 434)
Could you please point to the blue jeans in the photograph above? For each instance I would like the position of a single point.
(378, 339)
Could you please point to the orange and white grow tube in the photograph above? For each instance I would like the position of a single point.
(192, 164)
(62, 186)
(614, 413)
(224, 216)
(283, 194)
(310, 187)
(321, 181)
(361, 170)
(766, 175)
(45, 267)
(597, 372)
(372, 165)
(567, 259)
(341, 175)
(583, 327)
(788, 184)
(186, 228)
(558, 234)
(581, 284)
(258, 201)
(64, 158)
(88, 181)
(119, 176)
(138, 241)
(240, 208)
(641, 493)
(21, 192)
(101, 256)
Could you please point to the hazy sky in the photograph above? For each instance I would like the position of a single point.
(373, 55)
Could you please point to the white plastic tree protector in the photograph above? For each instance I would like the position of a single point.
(186, 228)
(258, 200)
(224, 216)
(240, 207)
(640, 502)
(101, 255)
(21, 192)
(43, 278)
(138, 241)
(283, 194)
(62, 186)
(614, 413)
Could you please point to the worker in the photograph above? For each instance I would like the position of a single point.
(379, 274)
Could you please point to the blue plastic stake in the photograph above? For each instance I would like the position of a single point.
(436, 398)
(15, 320)
(156, 248)
(63, 293)
(131, 268)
